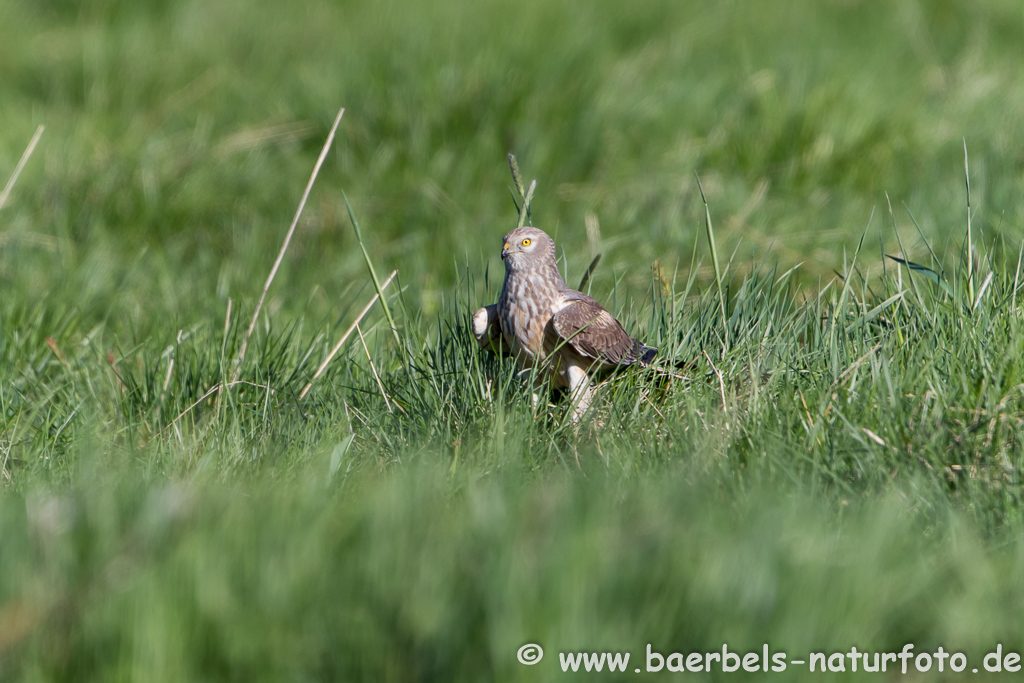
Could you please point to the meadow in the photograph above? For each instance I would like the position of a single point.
(828, 454)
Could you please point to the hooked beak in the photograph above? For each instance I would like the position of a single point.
(505, 251)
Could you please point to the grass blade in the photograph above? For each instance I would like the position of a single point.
(21, 165)
(287, 241)
(714, 257)
(373, 276)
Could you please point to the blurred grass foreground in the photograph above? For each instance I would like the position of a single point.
(838, 465)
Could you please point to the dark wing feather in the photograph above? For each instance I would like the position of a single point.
(594, 333)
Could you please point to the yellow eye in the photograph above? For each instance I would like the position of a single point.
(526, 242)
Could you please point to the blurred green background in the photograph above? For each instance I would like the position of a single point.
(146, 534)
(180, 135)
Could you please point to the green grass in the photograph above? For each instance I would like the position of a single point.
(838, 464)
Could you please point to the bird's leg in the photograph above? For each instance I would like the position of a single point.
(487, 330)
(538, 386)
(483, 319)
(581, 391)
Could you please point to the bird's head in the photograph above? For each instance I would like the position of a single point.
(528, 247)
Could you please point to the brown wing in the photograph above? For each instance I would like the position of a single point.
(594, 333)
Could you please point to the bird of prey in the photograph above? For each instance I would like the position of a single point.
(540, 321)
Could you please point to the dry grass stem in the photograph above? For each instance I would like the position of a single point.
(373, 369)
(721, 380)
(344, 337)
(214, 389)
(287, 241)
(21, 165)
(227, 319)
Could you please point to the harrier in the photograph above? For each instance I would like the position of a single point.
(540, 321)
